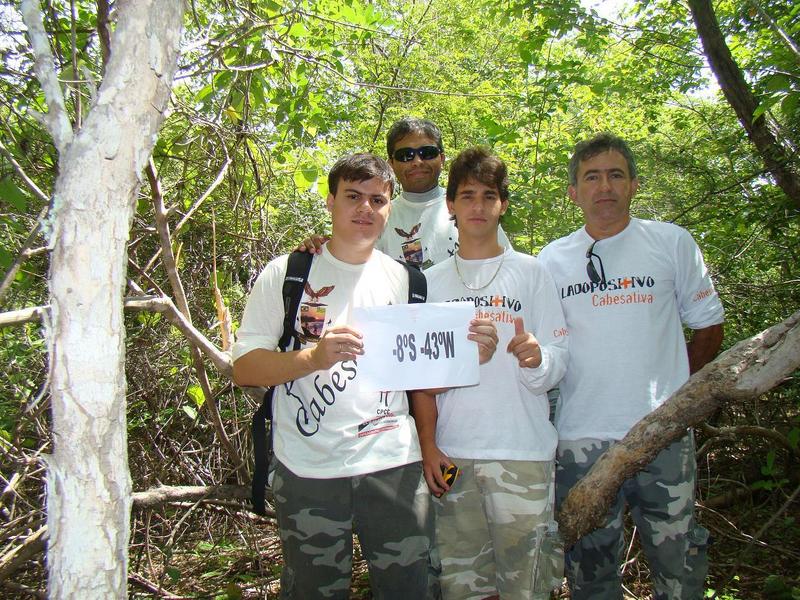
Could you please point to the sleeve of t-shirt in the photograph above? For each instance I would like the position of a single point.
(262, 320)
(698, 301)
(550, 330)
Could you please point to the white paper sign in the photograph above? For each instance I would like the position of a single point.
(416, 346)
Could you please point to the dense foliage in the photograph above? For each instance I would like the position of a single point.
(269, 94)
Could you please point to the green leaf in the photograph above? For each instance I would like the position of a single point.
(763, 106)
(794, 437)
(174, 574)
(190, 411)
(790, 104)
(305, 177)
(298, 30)
(195, 392)
(148, 318)
(10, 193)
(778, 83)
(6, 259)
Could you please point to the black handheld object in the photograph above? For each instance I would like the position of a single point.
(450, 473)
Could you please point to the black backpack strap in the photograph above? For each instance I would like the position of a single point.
(297, 270)
(417, 284)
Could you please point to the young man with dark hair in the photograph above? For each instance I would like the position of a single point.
(345, 463)
(490, 521)
(627, 287)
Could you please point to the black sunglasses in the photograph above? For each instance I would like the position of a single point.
(594, 277)
(408, 154)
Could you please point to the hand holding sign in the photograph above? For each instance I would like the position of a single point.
(525, 346)
(336, 345)
(484, 333)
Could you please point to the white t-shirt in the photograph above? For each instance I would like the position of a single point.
(323, 429)
(505, 417)
(420, 231)
(627, 348)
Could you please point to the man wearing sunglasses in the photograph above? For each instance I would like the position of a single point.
(627, 287)
(420, 230)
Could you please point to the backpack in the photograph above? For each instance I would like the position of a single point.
(297, 270)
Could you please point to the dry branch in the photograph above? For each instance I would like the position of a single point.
(750, 368)
(170, 265)
(24, 315)
(165, 306)
(17, 557)
(166, 493)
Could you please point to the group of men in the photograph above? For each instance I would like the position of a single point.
(599, 313)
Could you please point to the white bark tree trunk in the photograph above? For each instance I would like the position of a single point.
(89, 488)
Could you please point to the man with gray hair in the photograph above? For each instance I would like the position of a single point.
(627, 287)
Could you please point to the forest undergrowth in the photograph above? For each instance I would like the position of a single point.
(220, 550)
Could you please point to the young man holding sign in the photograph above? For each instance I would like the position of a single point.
(493, 519)
(347, 460)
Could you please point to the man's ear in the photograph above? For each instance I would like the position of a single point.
(329, 202)
(503, 206)
(634, 186)
(451, 206)
(573, 193)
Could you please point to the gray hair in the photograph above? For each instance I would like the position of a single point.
(602, 142)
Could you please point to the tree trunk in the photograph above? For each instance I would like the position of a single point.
(740, 97)
(752, 367)
(88, 482)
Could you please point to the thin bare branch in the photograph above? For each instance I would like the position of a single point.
(57, 119)
(170, 266)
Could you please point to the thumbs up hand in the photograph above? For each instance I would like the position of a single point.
(525, 346)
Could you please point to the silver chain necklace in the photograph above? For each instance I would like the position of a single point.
(488, 283)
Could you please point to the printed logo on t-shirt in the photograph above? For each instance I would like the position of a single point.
(327, 387)
(377, 425)
(633, 289)
(497, 308)
(453, 247)
(702, 294)
(312, 314)
(412, 247)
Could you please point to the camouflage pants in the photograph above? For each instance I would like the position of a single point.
(661, 499)
(389, 510)
(487, 527)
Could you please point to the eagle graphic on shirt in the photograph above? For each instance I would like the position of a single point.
(412, 247)
(312, 313)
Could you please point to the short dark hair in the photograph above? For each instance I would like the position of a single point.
(602, 142)
(408, 125)
(360, 167)
(481, 165)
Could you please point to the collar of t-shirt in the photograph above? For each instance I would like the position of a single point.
(431, 194)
